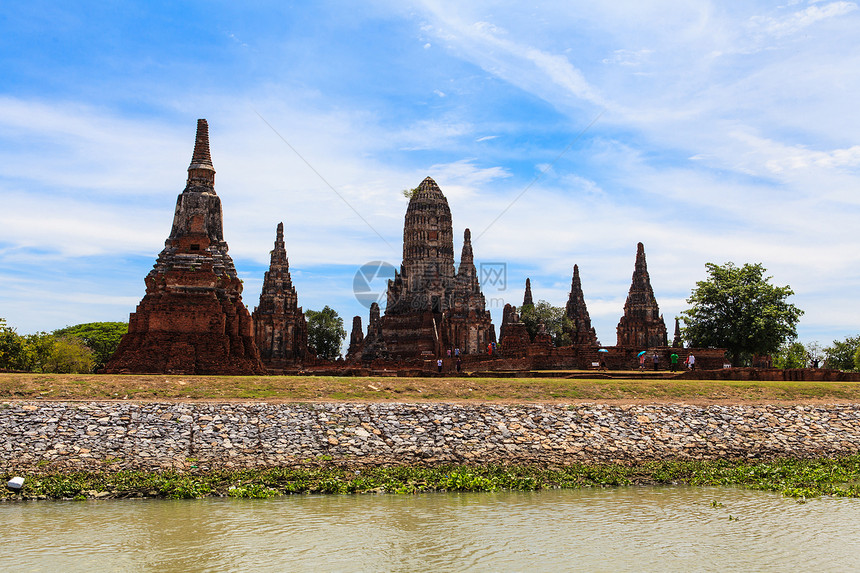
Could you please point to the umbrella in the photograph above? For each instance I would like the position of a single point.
(641, 353)
(603, 350)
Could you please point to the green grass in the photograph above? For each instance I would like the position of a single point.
(800, 479)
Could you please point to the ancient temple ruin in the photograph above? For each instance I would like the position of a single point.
(642, 325)
(191, 319)
(280, 328)
(581, 333)
(431, 308)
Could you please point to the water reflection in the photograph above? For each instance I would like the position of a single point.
(637, 528)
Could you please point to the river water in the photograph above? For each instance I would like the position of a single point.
(628, 529)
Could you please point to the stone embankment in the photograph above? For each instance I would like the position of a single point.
(121, 435)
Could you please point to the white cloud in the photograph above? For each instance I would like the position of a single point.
(797, 21)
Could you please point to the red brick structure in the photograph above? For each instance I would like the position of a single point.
(527, 297)
(642, 325)
(431, 309)
(280, 328)
(514, 339)
(192, 319)
(582, 333)
(356, 340)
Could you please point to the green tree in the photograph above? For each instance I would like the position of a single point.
(13, 348)
(101, 337)
(840, 355)
(738, 309)
(857, 360)
(325, 332)
(40, 347)
(557, 324)
(791, 355)
(69, 355)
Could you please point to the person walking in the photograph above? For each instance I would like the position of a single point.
(439, 365)
(673, 360)
(691, 362)
(656, 360)
(459, 365)
(642, 361)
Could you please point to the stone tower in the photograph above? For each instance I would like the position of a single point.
(356, 340)
(192, 319)
(582, 334)
(280, 329)
(642, 325)
(430, 308)
(676, 340)
(527, 297)
(467, 323)
(427, 272)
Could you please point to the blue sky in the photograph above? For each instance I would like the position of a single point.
(562, 133)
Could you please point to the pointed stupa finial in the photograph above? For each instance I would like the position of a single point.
(279, 253)
(201, 173)
(467, 256)
(676, 340)
(527, 299)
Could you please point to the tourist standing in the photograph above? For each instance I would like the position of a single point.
(656, 360)
(642, 361)
(457, 352)
(439, 365)
(673, 360)
(691, 362)
(459, 365)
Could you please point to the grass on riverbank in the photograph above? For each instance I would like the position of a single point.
(384, 389)
(799, 479)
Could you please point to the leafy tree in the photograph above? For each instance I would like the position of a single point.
(40, 347)
(13, 348)
(325, 332)
(857, 359)
(69, 355)
(738, 309)
(101, 337)
(557, 324)
(791, 355)
(840, 355)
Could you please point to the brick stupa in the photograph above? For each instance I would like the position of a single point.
(642, 325)
(192, 319)
(280, 328)
(430, 308)
(582, 333)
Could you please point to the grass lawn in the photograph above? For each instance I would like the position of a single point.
(392, 389)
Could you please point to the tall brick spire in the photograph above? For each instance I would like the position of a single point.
(642, 325)
(280, 328)
(467, 275)
(582, 333)
(192, 319)
(676, 340)
(201, 172)
(527, 298)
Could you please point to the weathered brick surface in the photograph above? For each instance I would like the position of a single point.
(642, 325)
(280, 328)
(431, 308)
(192, 319)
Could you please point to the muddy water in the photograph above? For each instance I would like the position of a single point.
(635, 529)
